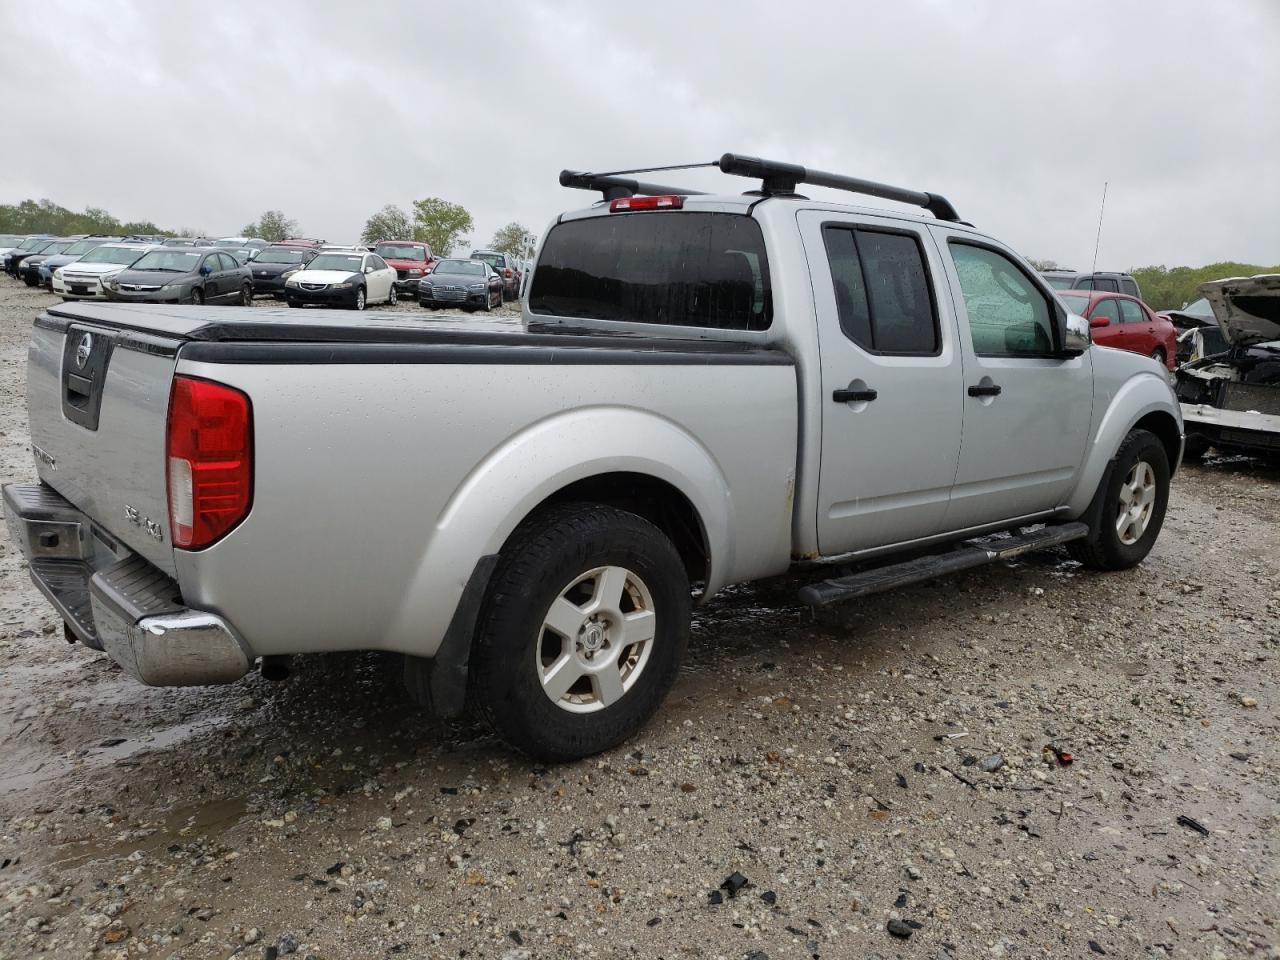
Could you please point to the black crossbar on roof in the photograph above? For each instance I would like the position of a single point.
(777, 179)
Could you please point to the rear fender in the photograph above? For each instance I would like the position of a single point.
(534, 464)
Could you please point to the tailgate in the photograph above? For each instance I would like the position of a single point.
(98, 400)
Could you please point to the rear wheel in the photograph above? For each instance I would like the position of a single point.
(246, 295)
(1128, 509)
(1158, 356)
(582, 631)
(393, 296)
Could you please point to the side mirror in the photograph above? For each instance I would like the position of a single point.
(368, 269)
(1077, 338)
(206, 270)
(1096, 322)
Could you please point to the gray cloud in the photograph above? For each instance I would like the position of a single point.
(328, 110)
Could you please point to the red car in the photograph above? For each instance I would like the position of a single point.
(1118, 320)
(411, 259)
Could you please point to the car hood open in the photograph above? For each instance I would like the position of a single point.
(1246, 308)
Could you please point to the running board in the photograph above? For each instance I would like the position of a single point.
(966, 555)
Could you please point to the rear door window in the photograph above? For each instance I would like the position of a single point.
(882, 290)
(1130, 312)
(689, 269)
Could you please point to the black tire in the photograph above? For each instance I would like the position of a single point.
(393, 296)
(1158, 356)
(246, 295)
(360, 301)
(542, 557)
(1104, 549)
(197, 296)
(1196, 446)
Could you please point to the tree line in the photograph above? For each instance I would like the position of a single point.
(444, 226)
(1169, 288)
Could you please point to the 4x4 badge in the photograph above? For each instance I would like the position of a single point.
(83, 349)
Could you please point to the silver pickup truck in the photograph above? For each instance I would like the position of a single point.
(703, 390)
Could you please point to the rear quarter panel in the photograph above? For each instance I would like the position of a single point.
(378, 487)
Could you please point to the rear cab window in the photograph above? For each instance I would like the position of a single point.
(689, 269)
(883, 295)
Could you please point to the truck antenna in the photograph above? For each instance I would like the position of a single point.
(1098, 239)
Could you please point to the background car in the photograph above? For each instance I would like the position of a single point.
(82, 280)
(182, 275)
(274, 265)
(411, 260)
(469, 284)
(1197, 313)
(240, 243)
(508, 268)
(73, 253)
(1118, 320)
(28, 247)
(346, 279)
(1101, 280)
(29, 268)
(8, 241)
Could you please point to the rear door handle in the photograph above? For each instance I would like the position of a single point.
(854, 396)
(978, 390)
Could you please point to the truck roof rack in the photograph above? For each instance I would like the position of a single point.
(777, 179)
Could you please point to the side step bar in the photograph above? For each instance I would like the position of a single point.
(966, 555)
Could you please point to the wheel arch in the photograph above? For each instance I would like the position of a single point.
(629, 458)
(1145, 402)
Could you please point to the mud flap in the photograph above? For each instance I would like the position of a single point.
(439, 683)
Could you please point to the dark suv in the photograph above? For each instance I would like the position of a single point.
(508, 268)
(1109, 282)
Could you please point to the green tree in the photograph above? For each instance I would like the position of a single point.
(272, 226)
(441, 225)
(389, 223)
(514, 239)
(1042, 264)
(1168, 288)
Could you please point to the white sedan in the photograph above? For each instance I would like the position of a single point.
(344, 279)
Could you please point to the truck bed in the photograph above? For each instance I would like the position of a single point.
(390, 453)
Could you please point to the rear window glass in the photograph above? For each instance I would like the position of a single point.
(679, 269)
(1060, 283)
(882, 291)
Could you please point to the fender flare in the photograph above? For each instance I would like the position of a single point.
(1139, 396)
(534, 464)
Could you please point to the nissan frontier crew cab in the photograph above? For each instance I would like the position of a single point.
(703, 390)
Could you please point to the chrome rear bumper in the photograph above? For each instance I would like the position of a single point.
(114, 600)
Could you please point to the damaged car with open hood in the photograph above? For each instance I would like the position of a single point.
(1231, 400)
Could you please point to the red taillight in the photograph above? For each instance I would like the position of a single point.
(669, 202)
(210, 460)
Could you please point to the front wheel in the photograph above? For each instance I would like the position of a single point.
(360, 299)
(393, 296)
(1128, 509)
(582, 631)
(197, 296)
(246, 295)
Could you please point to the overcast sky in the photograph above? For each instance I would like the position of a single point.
(204, 115)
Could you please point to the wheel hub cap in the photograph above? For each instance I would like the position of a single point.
(596, 639)
(1137, 503)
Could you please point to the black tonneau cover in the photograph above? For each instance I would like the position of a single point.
(257, 335)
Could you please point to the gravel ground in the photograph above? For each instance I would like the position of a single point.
(871, 783)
